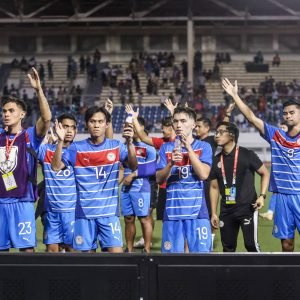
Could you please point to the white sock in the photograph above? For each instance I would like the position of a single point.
(212, 241)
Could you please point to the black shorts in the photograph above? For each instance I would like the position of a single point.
(154, 194)
(161, 203)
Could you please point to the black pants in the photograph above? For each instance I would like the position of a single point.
(230, 226)
(161, 203)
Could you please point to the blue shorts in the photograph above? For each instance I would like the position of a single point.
(287, 216)
(106, 230)
(59, 227)
(17, 225)
(135, 204)
(197, 232)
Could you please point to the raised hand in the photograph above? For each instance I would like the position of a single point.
(52, 138)
(128, 133)
(59, 131)
(109, 106)
(129, 110)
(35, 80)
(170, 106)
(229, 88)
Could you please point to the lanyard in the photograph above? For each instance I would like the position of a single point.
(234, 168)
(9, 144)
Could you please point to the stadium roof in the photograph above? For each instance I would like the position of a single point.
(148, 11)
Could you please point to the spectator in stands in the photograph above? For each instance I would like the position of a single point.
(276, 60)
(42, 73)
(15, 63)
(50, 69)
(32, 62)
(258, 58)
(82, 64)
(97, 56)
(24, 64)
(184, 68)
(227, 57)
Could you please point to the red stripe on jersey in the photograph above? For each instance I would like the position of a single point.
(185, 160)
(97, 158)
(283, 142)
(140, 151)
(49, 156)
(27, 138)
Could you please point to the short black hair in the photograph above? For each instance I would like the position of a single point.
(167, 121)
(232, 128)
(67, 116)
(96, 109)
(186, 110)
(205, 121)
(19, 102)
(291, 102)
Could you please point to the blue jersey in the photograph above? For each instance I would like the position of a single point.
(146, 157)
(184, 188)
(96, 169)
(285, 151)
(60, 188)
(33, 142)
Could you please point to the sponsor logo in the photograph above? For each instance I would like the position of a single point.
(247, 221)
(221, 223)
(79, 240)
(111, 156)
(167, 245)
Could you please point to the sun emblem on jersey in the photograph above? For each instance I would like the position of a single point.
(79, 240)
(219, 165)
(221, 224)
(9, 165)
(111, 156)
(298, 142)
(167, 245)
(139, 151)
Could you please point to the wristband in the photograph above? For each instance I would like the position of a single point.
(263, 195)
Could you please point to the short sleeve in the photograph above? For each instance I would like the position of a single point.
(34, 140)
(213, 172)
(269, 132)
(255, 162)
(162, 159)
(157, 142)
(206, 156)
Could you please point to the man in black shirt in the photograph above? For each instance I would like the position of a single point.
(232, 176)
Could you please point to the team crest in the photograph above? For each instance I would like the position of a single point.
(298, 142)
(167, 245)
(111, 156)
(79, 240)
(9, 165)
(219, 165)
(139, 151)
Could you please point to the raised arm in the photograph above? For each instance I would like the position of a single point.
(170, 106)
(245, 110)
(139, 130)
(57, 163)
(109, 106)
(228, 112)
(43, 123)
(128, 135)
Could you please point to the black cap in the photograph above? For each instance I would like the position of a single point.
(291, 102)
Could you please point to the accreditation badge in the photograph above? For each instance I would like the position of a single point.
(230, 194)
(9, 181)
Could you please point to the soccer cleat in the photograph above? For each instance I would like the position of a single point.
(140, 243)
(267, 215)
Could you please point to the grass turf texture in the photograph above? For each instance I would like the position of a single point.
(267, 242)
